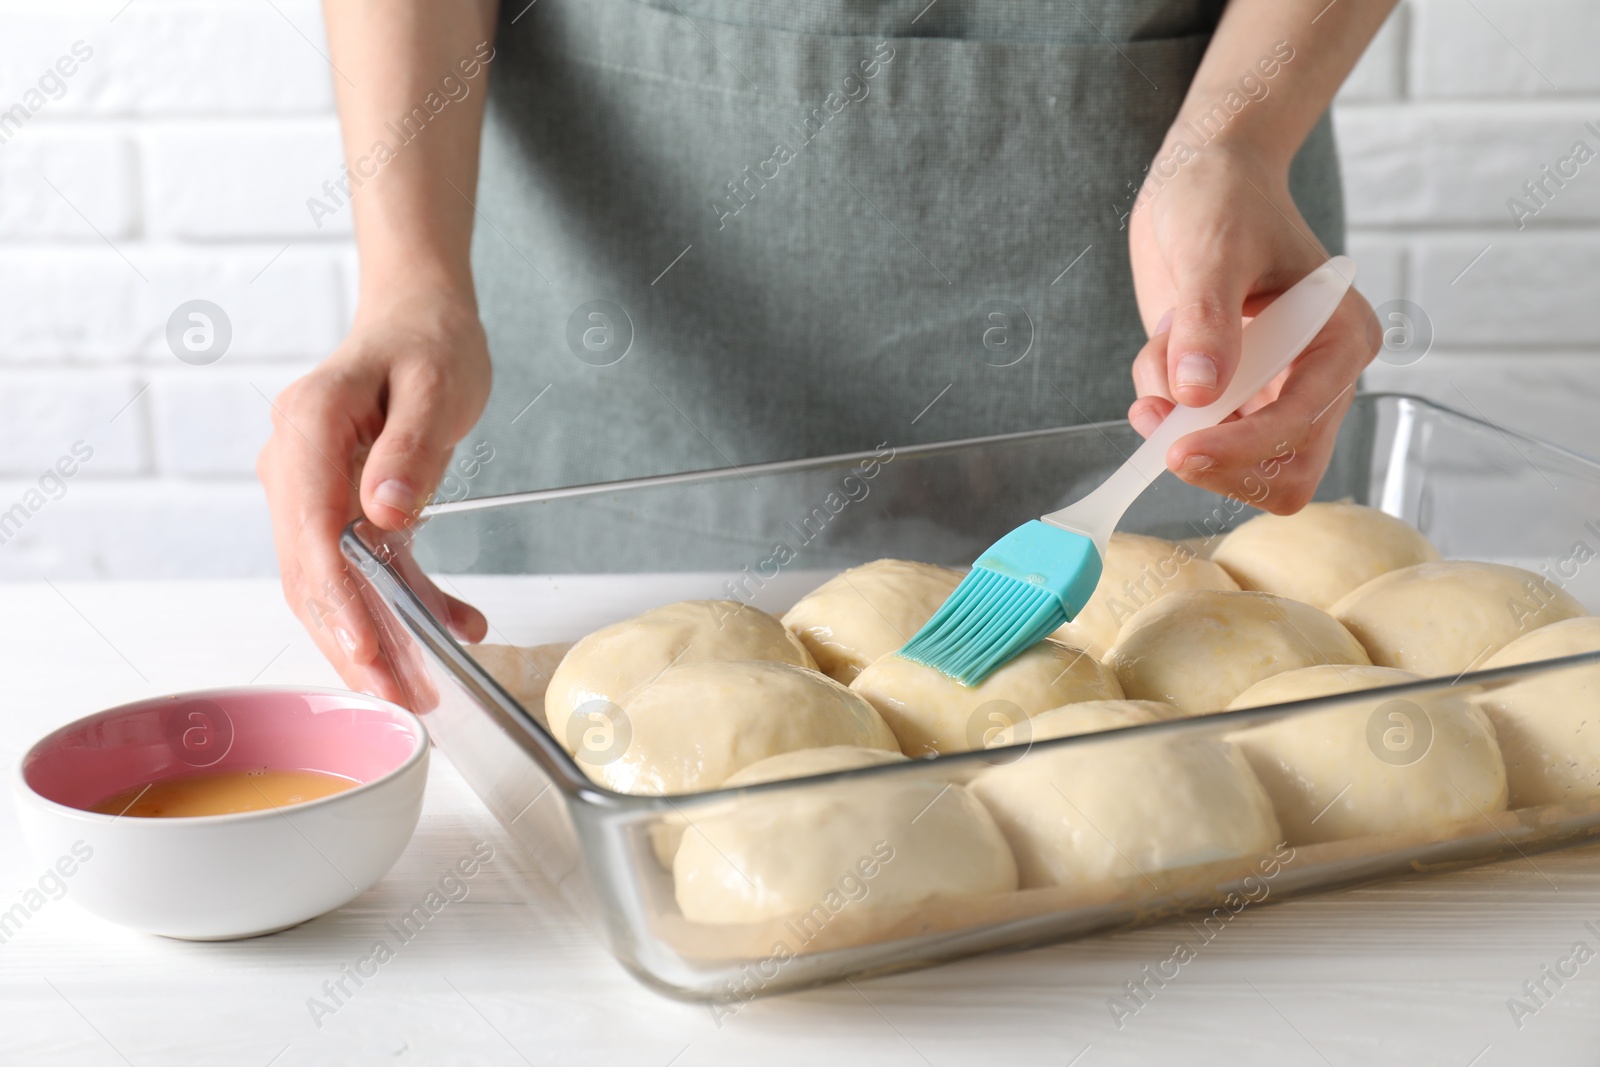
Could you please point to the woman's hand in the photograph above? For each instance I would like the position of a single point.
(1212, 246)
(370, 431)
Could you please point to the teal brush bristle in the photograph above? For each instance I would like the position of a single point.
(1021, 590)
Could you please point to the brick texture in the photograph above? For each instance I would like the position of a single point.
(1476, 158)
(211, 421)
(68, 186)
(241, 59)
(221, 180)
(1500, 48)
(43, 413)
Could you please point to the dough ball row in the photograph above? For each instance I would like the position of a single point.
(1136, 571)
(931, 713)
(861, 615)
(1322, 552)
(1440, 762)
(896, 841)
(1121, 811)
(1198, 650)
(698, 723)
(1339, 598)
(619, 658)
(1549, 726)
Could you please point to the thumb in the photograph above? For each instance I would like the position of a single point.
(410, 454)
(1203, 348)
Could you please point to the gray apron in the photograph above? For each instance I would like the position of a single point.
(716, 232)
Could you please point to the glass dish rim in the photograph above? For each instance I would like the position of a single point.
(567, 776)
(933, 448)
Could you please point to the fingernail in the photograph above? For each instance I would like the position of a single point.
(1199, 463)
(1165, 323)
(1197, 370)
(346, 638)
(396, 494)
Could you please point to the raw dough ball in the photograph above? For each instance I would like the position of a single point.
(806, 762)
(667, 835)
(1321, 552)
(1549, 727)
(1138, 570)
(1403, 763)
(615, 659)
(1121, 810)
(933, 713)
(698, 723)
(867, 612)
(1087, 717)
(1199, 650)
(882, 843)
(1440, 619)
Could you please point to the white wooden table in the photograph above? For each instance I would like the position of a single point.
(1416, 972)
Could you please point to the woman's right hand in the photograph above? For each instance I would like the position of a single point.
(370, 432)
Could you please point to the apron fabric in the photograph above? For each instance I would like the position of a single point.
(720, 232)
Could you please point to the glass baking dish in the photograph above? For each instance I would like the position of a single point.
(549, 567)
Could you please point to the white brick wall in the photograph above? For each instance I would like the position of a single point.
(174, 166)
(176, 163)
(1453, 109)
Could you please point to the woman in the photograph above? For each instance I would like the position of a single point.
(725, 231)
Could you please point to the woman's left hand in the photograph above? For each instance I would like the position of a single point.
(1214, 244)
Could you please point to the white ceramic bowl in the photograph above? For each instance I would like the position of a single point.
(225, 876)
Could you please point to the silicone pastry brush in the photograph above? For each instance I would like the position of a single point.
(1039, 575)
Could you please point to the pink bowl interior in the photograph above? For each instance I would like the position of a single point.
(216, 732)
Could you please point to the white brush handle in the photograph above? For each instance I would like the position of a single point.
(1271, 341)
